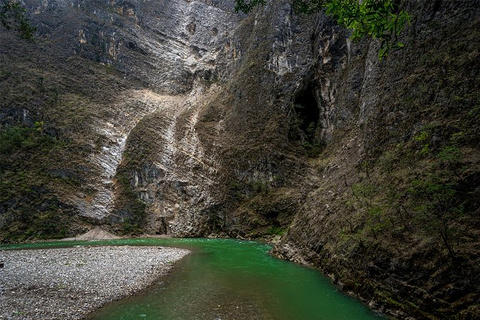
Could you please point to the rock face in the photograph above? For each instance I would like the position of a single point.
(169, 51)
(184, 118)
(171, 169)
(390, 216)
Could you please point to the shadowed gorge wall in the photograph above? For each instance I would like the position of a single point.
(184, 118)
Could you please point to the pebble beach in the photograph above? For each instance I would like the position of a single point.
(70, 283)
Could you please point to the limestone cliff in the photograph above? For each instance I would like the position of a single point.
(184, 118)
(99, 70)
(394, 213)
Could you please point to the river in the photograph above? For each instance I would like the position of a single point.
(226, 279)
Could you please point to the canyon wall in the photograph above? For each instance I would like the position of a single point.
(184, 118)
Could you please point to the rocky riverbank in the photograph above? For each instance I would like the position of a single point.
(70, 283)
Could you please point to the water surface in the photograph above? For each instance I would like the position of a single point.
(231, 280)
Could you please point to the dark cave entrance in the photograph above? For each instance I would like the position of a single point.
(307, 111)
(307, 118)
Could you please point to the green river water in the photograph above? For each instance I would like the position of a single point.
(230, 280)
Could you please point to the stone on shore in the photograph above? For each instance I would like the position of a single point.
(70, 283)
(96, 233)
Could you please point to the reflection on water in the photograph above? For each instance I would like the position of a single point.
(234, 280)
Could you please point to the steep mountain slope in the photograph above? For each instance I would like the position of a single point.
(183, 118)
(93, 73)
(394, 215)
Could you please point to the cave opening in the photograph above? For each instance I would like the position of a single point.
(308, 113)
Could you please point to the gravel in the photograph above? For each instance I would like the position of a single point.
(70, 283)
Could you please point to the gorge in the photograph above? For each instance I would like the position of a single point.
(184, 118)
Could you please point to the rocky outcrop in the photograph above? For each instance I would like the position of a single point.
(169, 50)
(115, 130)
(171, 169)
(376, 160)
(391, 216)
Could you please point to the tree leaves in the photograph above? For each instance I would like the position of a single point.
(377, 19)
(247, 5)
(12, 16)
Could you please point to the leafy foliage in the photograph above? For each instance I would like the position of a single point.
(12, 16)
(247, 6)
(28, 207)
(435, 202)
(378, 19)
(132, 206)
(16, 137)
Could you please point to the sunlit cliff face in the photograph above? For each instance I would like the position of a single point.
(174, 49)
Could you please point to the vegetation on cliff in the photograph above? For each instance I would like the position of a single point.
(378, 19)
(395, 217)
(13, 16)
(29, 207)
